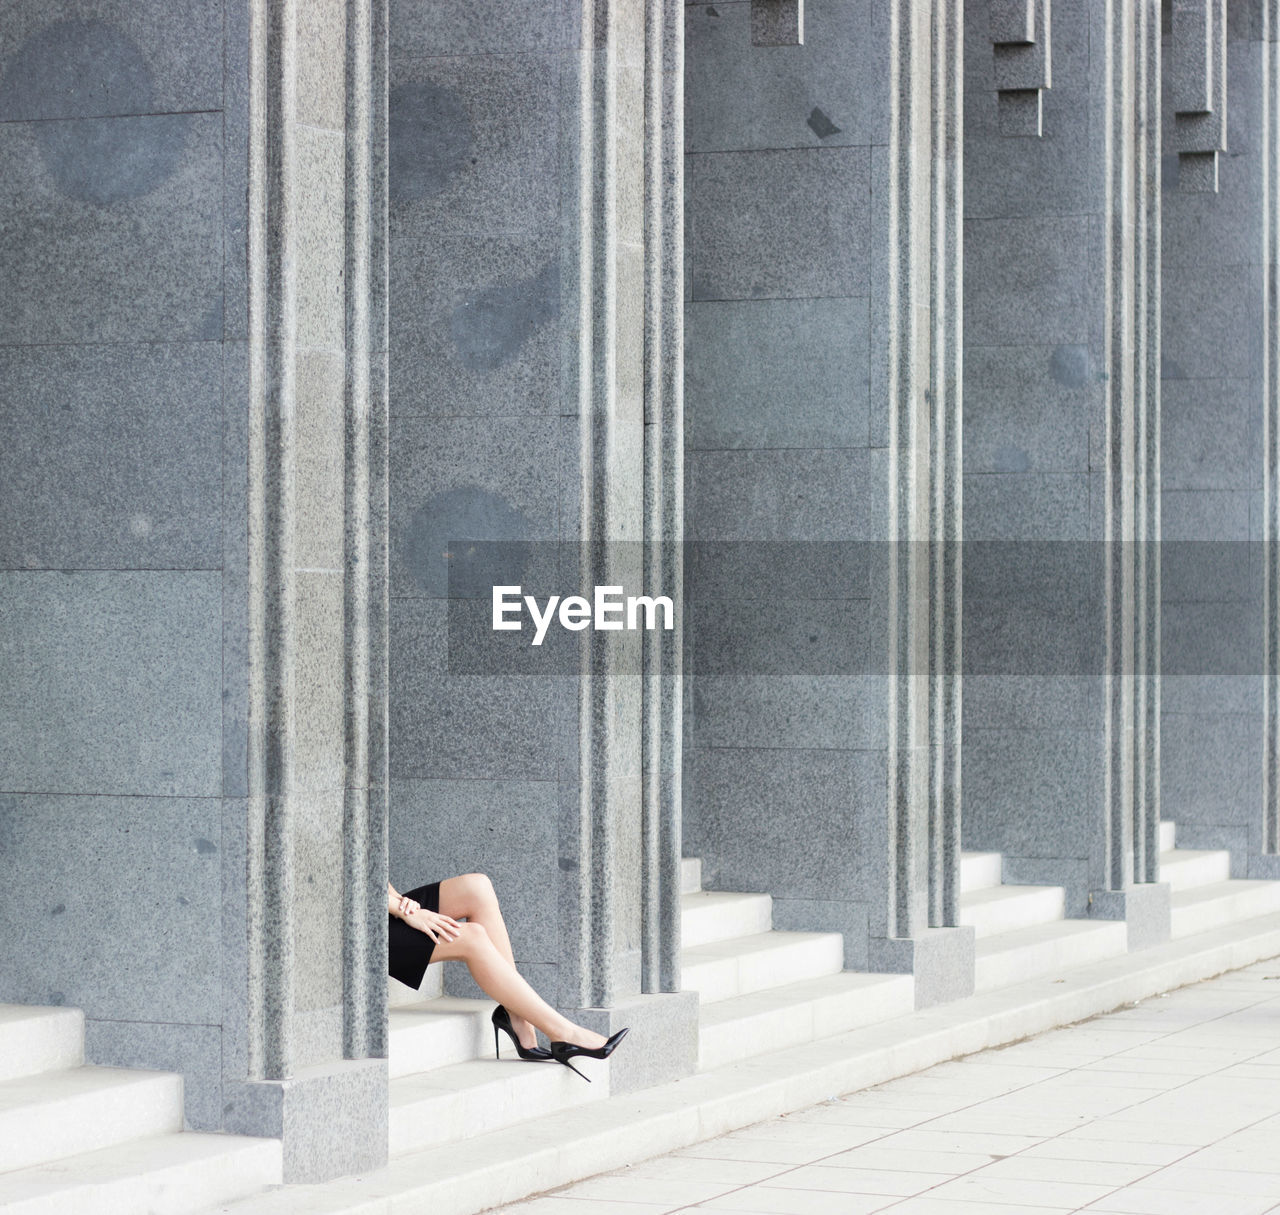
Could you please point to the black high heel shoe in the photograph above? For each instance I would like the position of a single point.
(502, 1021)
(562, 1052)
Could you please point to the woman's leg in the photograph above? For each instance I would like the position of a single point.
(471, 897)
(499, 979)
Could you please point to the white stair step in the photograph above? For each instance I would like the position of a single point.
(436, 1033)
(35, 1039)
(1185, 868)
(690, 874)
(1006, 908)
(716, 915)
(980, 870)
(1168, 836)
(724, 969)
(454, 1103)
(175, 1174)
(1046, 949)
(766, 1021)
(65, 1113)
(1206, 907)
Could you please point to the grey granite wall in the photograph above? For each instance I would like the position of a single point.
(175, 405)
(1218, 411)
(807, 727)
(1061, 457)
(112, 465)
(530, 286)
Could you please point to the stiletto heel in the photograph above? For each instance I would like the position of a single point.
(562, 1052)
(502, 1021)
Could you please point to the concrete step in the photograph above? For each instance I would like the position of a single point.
(436, 1033)
(980, 870)
(468, 1099)
(690, 875)
(34, 1039)
(160, 1175)
(64, 1113)
(1006, 908)
(724, 969)
(767, 1021)
(1046, 949)
(716, 915)
(1168, 836)
(1185, 868)
(508, 1165)
(1204, 908)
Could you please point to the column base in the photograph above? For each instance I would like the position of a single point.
(663, 1042)
(332, 1119)
(1146, 908)
(940, 959)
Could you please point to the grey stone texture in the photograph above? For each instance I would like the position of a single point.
(1215, 398)
(245, 665)
(1043, 390)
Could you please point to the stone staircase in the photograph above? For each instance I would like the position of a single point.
(760, 989)
(1205, 896)
(1021, 932)
(106, 1140)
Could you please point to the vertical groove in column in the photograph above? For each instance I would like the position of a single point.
(1121, 615)
(1271, 430)
(944, 469)
(358, 974)
(1138, 740)
(664, 481)
(1148, 842)
(379, 517)
(272, 340)
(597, 391)
(908, 581)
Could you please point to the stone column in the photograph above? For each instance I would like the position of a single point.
(822, 473)
(535, 381)
(190, 587)
(1062, 467)
(1220, 400)
(303, 1063)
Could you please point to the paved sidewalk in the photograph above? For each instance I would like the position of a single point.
(1170, 1107)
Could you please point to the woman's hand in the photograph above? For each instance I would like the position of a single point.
(406, 907)
(438, 927)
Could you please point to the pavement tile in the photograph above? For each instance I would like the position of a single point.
(858, 1181)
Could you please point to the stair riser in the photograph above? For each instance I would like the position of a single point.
(453, 1040)
(760, 971)
(183, 1189)
(980, 871)
(1042, 905)
(1049, 958)
(1217, 913)
(706, 924)
(1186, 874)
(53, 1130)
(41, 1043)
(803, 1022)
(467, 1112)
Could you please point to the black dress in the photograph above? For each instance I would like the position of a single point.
(408, 948)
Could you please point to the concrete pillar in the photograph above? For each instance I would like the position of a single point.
(1062, 465)
(311, 387)
(823, 495)
(1219, 493)
(191, 582)
(536, 281)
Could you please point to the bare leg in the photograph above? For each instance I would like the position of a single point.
(471, 897)
(500, 980)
